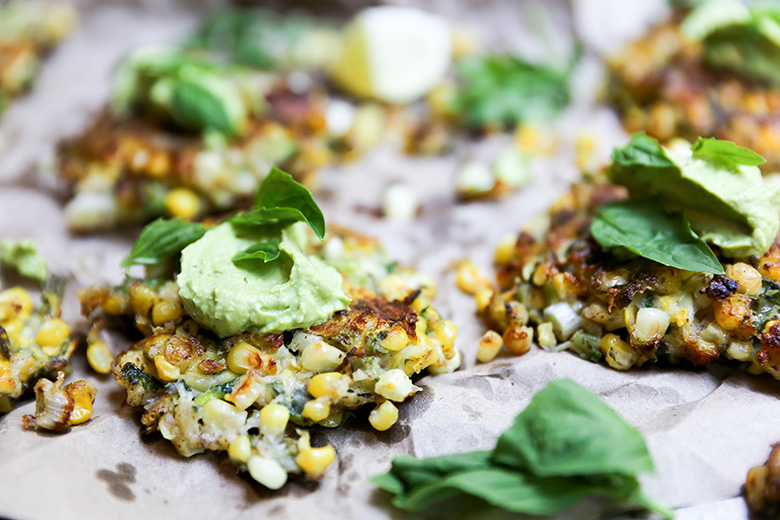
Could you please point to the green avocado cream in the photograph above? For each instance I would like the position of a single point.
(740, 37)
(727, 205)
(293, 291)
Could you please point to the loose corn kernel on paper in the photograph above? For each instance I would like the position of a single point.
(704, 428)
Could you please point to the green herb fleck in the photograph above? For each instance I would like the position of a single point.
(135, 376)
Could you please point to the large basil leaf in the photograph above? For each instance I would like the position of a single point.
(163, 239)
(647, 229)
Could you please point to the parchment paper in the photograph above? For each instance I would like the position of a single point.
(705, 428)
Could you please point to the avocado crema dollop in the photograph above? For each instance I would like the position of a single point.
(293, 291)
(727, 205)
(743, 38)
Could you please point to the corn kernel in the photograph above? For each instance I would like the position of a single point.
(317, 409)
(165, 370)
(14, 303)
(618, 354)
(99, 357)
(328, 384)
(489, 346)
(469, 279)
(395, 339)
(245, 394)
(383, 416)
(518, 338)
(450, 363)
(165, 311)
(482, 299)
(52, 333)
(546, 336)
(240, 449)
(183, 203)
(273, 419)
(223, 415)
(321, 357)
(446, 332)
(748, 278)
(505, 250)
(394, 385)
(651, 324)
(7, 379)
(242, 357)
(114, 305)
(142, 298)
(314, 461)
(731, 312)
(267, 472)
(83, 395)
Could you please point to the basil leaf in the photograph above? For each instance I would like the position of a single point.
(504, 90)
(410, 472)
(262, 251)
(163, 239)
(725, 152)
(645, 228)
(642, 151)
(23, 257)
(565, 431)
(281, 201)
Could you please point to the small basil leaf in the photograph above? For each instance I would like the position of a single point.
(725, 152)
(642, 151)
(163, 239)
(207, 103)
(282, 201)
(262, 252)
(566, 431)
(645, 228)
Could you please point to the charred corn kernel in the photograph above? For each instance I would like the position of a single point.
(321, 357)
(223, 415)
(450, 363)
(165, 370)
(240, 449)
(489, 346)
(446, 332)
(317, 409)
(505, 250)
(731, 312)
(383, 416)
(268, 472)
(99, 357)
(314, 461)
(245, 394)
(142, 298)
(482, 299)
(395, 340)
(748, 278)
(650, 325)
(182, 203)
(83, 395)
(518, 338)
(546, 336)
(273, 419)
(14, 303)
(618, 354)
(394, 385)
(52, 333)
(328, 384)
(7, 380)
(165, 311)
(242, 357)
(469, 279)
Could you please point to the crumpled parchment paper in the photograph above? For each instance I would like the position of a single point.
(704, 428)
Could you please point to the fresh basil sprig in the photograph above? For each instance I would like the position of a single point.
(565, 446)
(644, 227)
(162, 239)
(725, 152)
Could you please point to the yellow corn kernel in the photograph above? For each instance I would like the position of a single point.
(165, 370)
(83, 395)
(240, 449)
(469, 279)
(489, 346)
(52, 333)
(618, 354)
(450, 363)
(517, 339)
(245, 394)
(505, 250)
(748, 278)
(731, 312)
(14, 303)
(223, 415)
(482, 299)
(328, 384)
(317, 409)
(183, 203)
(546, 336)
(114, 305)
(268, 472)
(383, 416)
(7, 380)
(165, 311)
(99, 357)
(321, 357)
(394, 385)
(395, 340)
(273, 419)
(446, 332)
(242, 357)
(314, 461)
(142, 298)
